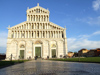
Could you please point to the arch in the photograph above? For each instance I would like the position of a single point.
(22, 46)
(22, 42)
(38, 42)
(53, 43)
(14, 41)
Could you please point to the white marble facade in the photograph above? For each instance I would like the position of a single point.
(37, 31)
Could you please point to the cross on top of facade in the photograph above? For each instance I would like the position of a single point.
(37, 4)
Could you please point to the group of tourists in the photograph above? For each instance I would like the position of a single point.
(36, 57)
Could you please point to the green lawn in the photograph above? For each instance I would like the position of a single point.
(87, 59)
(8, 63)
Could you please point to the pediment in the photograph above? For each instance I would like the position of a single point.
(18, 25)
(32, 25)
(56, 26)
(37, 9)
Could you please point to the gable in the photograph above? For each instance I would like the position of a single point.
(18, 25)
(56, 26)
(37, 9)
(32, 25)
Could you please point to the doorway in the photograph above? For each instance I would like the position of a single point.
(53, 53)
(38, 52)
(21, 54)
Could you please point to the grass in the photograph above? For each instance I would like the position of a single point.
(87, 59)
(9, 63)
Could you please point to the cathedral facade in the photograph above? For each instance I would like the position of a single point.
(36, 37)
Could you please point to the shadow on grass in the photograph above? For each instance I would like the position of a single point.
(9, 63)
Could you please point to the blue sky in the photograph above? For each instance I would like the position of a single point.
(81, 18)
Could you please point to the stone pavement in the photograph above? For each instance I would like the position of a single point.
(45, 67)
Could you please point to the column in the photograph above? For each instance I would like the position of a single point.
(30, 25)
(31, 34)
(45, 34)
(39, 25)
(17, 34)
(36, 25)
(58, 34)
(25, 34)
(54, 33)
(43, 18)
(29, 17)
(65, 33)
(26, 26)
(49, 50)
(33, 25)
(40, 18)
(48, 18)
(36, 34)
(39, 34)
(28, 34)
(35, 18)
(20, 34)
(42, 34)
(50, 34)
(44, 26)
(47, 25)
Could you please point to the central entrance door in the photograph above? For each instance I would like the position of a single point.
(21, 54)
(53, 53)
(38, 51)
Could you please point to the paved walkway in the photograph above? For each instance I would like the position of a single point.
(45, 67)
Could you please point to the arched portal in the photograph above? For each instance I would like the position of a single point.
(38, 49)
(22, 52)
(53, 49)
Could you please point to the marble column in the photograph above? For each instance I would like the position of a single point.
(17, 34)
(36, 34)
(28, 34)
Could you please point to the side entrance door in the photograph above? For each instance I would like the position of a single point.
(21, 54)
(38, 51)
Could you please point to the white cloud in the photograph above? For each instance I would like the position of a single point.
(96, 33)
(93, 21)
(75, 44)
(96, 5)
(90, 20)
